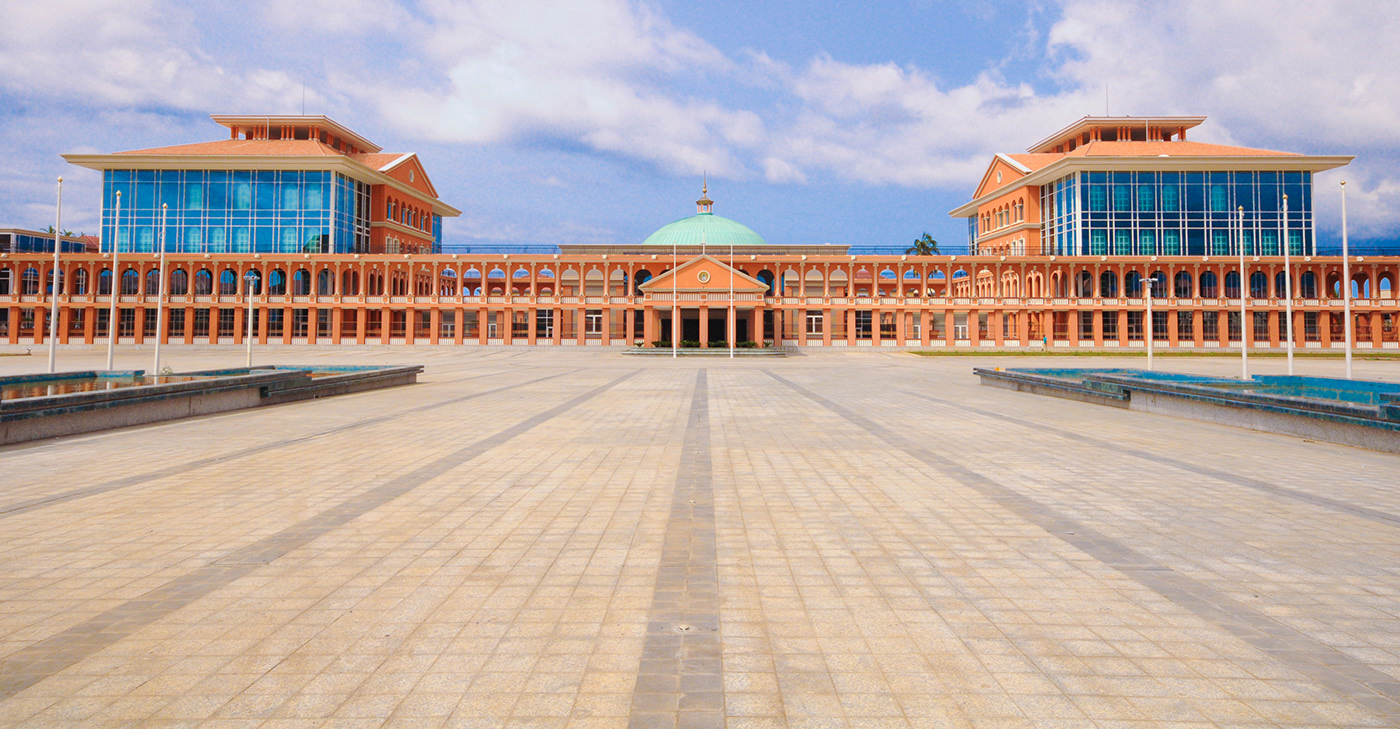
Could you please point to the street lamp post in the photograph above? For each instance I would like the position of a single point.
(1288, 285)
(160, 291)
(1244, 283)
(115, 282)
(1346, 279)
(56, 285)
(250, 277)
(1150, 333)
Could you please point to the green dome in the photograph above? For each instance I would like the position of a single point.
(706, 228)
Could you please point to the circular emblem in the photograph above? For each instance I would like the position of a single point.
(704, 277)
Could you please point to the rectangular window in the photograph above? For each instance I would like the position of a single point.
(1219, 243)
(126, 323)
(1110, 325)
(1098, 242)
(593, 322)
(1135, 326)
(1086, 326)
(1210, 325)
(1122, 198)
(349, 323)
(520, 324)
(423, 324)
(300, 319)
(544, 324)
(1219, 198)
(887, 327)
(1310, 330)
(1171, 243)
(324, 321)
(274, 322)
(863, 325)
(175, 327)
(1098, 198)
(1185, 331)
(1233, 326)
(148, 327)
(814, 322)
(201, 323)
(471, 324)
(227, 322)
(1123, 242)
(1261, 326)
(1171, 198)
(398, 324)
(1147, 198)
(1159, 326)
(447, 324)
(1147, 242)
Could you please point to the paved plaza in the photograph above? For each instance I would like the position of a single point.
(576, 538)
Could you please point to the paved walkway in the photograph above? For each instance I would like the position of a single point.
(575, 538)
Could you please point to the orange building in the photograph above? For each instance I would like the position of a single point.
(1078, 241)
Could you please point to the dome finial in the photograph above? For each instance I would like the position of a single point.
(704, 206)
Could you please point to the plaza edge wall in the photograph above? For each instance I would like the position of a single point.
(1000, 301)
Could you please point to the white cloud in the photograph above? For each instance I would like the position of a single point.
(137, 53)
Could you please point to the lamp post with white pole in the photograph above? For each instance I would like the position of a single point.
(251, 278)
(1346, 279)
(115, 282)
(1150, 333)
(1244, 290)
(56, 284)
(1288, 285)
(160, 291)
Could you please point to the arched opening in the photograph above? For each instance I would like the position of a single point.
(131, 282)
(1281, 290)
(301, 282)
(1334, 285)
(48, 282)
(1108, 284)
(228, 282)
(1132, 285)
(277, 282)
(153, 282)
(1210, 286)
(1258, 285)
(325, 282)
(203, 282)
(617, 283)
(1307, 285)
(1084, 285)
(1181, 285)
(642, 277)
(593, 283)
(768, 279)
(350, 283)
(7, 282)
(179, 282)
(80, 282)
(252, 282)
(447, 283)
(1232, 285)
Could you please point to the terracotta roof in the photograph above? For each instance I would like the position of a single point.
(376, 161)
(1171, 149)
(245, 147)
(1034, 162)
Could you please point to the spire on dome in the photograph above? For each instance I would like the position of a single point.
(704, 206)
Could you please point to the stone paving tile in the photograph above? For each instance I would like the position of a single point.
(508, 543)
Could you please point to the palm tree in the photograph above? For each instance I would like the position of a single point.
(925, 246)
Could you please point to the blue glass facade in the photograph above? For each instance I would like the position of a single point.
(26, 243)
(237, 211)
(1177, 213)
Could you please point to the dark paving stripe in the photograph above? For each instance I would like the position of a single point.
(183, 468)
(681, 683)
(1367, 687)
(1212, 473)
(33, 664)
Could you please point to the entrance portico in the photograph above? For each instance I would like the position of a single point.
(708, 298)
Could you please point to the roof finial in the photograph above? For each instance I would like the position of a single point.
(704, 206)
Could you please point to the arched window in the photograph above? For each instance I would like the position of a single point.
(104, 282)
(447, 283)
(768, 279)
(48, 282)
(252, 282)
(1182, 284)
(1159, 284)
(277, 283)
(228, 282)
(179, 282)
(203, 282)
(80, 282)
(29, 282)
(301, 283)
(1307, 285)
(642, 277)
(1258, 285)
(131, 282)
(1108, 284)
(7, 282)
(1232, 285)
(350, 283)
(1281, 286)
(1210, 286)
(325, 283)
(1083, 284)
(153, 282)
(1132, 285)
(376, 283)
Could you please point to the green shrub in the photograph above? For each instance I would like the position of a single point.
(661, 344)
(690, 343)
(747, 344)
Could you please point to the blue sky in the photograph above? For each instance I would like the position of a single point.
(592, 121)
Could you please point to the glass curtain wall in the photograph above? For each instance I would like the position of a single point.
(234, 211)
(1178, 213)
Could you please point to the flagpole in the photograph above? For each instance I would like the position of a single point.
(1288, 285)
(1244, 282)
(55, 287)
(160, 291)
(112, 306)
(1346, 279)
